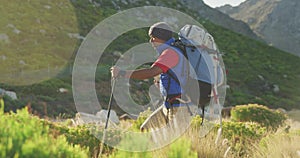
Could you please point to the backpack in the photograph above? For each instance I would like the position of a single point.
(204, 67)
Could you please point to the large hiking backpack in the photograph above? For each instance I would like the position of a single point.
(204, 67)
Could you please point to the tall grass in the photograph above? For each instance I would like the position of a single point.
(239, 139)
(278, 146)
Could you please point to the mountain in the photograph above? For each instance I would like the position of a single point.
(257, 72)
(275, 21)
(219, 18)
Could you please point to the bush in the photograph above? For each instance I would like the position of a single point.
(241, 135)
(22, 135)
(257, 113)
(12, 105)
(85, 136)
(196, 122)
(242, 130)
(47, 88)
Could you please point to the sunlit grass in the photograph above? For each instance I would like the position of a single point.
(284, 143)
(279, 146)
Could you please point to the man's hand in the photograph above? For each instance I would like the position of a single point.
(114, 71)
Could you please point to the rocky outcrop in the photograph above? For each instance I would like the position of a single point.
(276, 21)
(196, 6)
(219, 18)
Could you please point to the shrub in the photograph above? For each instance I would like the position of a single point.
(257, 113)
(12, 105)
(47, 88)
(22, 135)
(196, 122)
(85, 136)
(233, 130)
(238, 134)
(241, 134)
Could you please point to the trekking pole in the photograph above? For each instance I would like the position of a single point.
(107, 118)
(217, 101)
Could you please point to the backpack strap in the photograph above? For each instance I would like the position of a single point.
(180, 45)
(171, 98)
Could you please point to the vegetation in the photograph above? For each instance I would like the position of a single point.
(257, 74)
(25, 136)
(38, 44)
(269, 146)
(42, 138)
(266, 117)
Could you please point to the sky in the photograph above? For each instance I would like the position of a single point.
(217, 3)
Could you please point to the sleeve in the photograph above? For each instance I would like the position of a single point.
(168, 59)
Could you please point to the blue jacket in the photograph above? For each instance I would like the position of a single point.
(169, 87)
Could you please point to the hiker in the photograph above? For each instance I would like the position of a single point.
(170, 66)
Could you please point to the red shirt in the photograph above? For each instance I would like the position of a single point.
(167, 59)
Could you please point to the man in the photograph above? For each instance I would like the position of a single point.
(170, 65)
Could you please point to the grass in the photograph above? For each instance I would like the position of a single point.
(279, 146)
(189, 145)
(237, 141)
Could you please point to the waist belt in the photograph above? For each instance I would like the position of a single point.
(176, 100)
(173, 99)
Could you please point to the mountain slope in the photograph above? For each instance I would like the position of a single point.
(219, 18)
(35, 43)
(257, 73)
(276, 21)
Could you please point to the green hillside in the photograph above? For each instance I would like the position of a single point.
(257, 73)
(37, 39)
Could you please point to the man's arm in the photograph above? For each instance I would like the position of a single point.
(138, 74)
(144, 73)
(168, 59)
